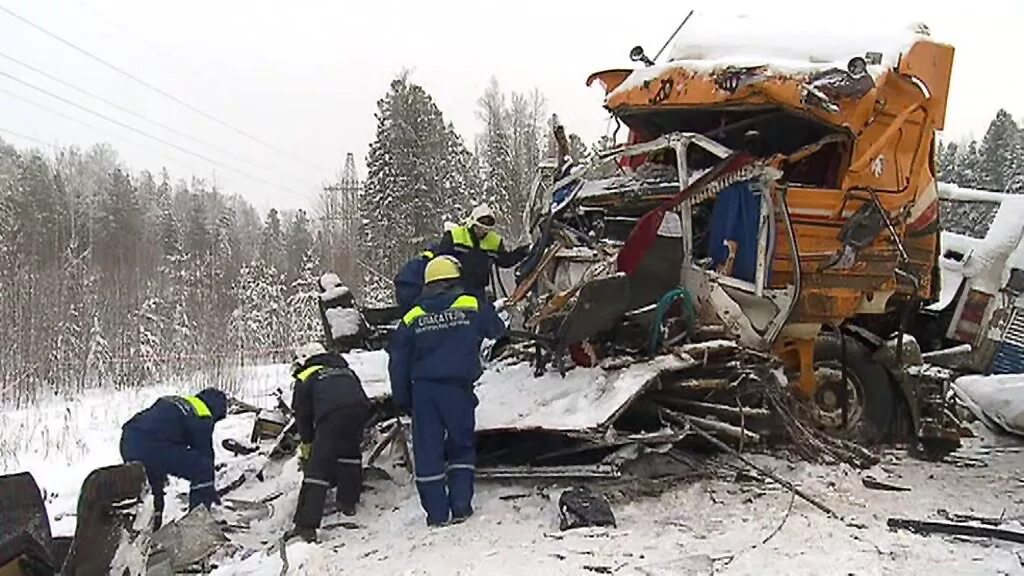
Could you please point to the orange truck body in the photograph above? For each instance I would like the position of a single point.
(882, 151)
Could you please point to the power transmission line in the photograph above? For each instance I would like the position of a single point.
(156, 89)
(25, 137)
(161, 51)
(130, 112)
(143, 133)
(93, 127)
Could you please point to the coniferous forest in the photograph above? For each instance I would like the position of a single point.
(124, 275)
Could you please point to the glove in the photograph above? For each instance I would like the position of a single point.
(305, 449)
(522, 251)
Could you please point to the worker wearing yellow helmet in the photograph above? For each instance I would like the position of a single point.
(434, 362)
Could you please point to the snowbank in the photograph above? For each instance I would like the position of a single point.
(371, 367)
(60, 441)
(998, 401)
(699, 526)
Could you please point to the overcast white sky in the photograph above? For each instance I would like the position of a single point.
(306, 75)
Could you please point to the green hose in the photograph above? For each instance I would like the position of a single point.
(663, 305)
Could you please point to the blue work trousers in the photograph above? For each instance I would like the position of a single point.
(444, 450)
(161, 459)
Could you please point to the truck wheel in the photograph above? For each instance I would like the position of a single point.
(871, 407)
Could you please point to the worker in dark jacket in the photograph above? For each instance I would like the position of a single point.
(331, 410)
(475, 244)
(174, 437)
(409, 280)
(434, 362)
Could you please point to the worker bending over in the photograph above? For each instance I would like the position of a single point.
(174, 437)
(331, 410)
(434, 362)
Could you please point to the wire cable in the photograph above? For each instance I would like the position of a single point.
(95, 128)
(26, 137)
(145, 134)
(152, 87)
(130, 112)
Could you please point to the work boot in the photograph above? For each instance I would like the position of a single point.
(347, 509)
(306, 534)
(438, 523)
(461, 517)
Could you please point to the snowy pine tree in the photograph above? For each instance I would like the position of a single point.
(418, 177)
(272, 242)
(259, 322)
(303, 312)
(509, 150)
(999, 154)
(947, 162)
(298, 242)
(1015, 173)
(971, 168)
(494, 149)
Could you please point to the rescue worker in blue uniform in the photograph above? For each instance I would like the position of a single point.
(476, 245)
(331, 410)
(434, 362)
(174, 437)
(409, 281)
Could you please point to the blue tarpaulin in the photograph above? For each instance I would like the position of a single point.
(735, 217)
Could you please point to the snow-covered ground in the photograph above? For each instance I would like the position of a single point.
(710, 526)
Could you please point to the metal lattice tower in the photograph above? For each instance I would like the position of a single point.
(340, 214)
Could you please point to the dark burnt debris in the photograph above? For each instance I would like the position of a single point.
(618, 281)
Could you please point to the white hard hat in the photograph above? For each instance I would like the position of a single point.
(307, 351)
(482, 212)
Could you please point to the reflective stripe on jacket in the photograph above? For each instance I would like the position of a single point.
(439, 341)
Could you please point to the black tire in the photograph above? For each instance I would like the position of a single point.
(877, 400)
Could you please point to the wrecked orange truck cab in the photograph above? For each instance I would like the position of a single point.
(797, 194)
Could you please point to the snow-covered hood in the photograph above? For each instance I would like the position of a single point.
(784, 46)
(790, 45)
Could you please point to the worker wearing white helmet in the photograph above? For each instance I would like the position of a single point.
(476, 245)
(331, 410)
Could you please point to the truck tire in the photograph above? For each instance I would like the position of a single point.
(872, 401)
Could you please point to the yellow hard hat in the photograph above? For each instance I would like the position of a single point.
(441, 268)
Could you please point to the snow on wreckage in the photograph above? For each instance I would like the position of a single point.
(738, 276)
(763, 200)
